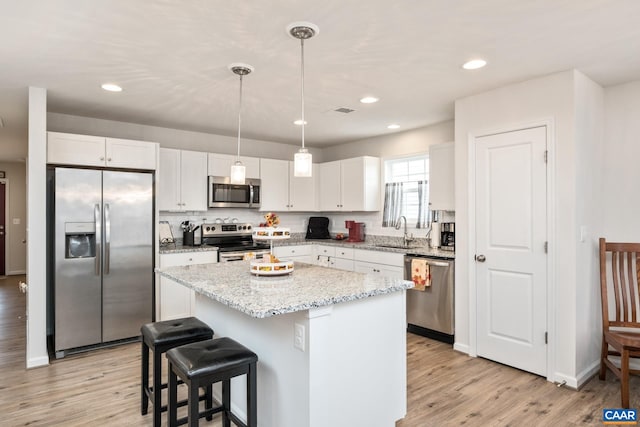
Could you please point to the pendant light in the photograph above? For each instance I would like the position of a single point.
(302, 162)
(238, 171)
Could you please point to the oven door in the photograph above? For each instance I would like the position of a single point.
(239, 255)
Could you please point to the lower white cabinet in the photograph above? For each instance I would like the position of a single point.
(177, 300)
(337, 257)
(301, 253)
(378, 262)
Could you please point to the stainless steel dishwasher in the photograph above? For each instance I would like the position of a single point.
(430, 312)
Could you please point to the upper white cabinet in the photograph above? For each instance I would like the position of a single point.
(350, 185)
(441, 177)
(220, 165)
(182, 180)
(87, 150)
(282, 191)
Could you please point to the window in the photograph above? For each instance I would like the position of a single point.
(413, 173)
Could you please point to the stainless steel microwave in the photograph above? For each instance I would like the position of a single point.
(223, 194)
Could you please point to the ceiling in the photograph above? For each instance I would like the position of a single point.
(171, 58)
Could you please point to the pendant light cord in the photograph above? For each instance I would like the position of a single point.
(302, 86)
(239, 118)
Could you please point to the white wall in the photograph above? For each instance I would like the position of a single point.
(415, 141)
(589, 118)
(16, 254)
(547, 98)
(36, 230)
(621, 202)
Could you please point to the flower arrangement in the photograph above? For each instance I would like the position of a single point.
(271, 220)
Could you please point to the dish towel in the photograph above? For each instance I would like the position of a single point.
(420, 274)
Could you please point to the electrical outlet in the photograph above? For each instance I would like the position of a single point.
(299, 336)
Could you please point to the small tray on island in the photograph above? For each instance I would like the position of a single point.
(271, 233)
(276, 268)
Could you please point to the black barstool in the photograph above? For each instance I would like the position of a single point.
(203, 363)
(161, 337)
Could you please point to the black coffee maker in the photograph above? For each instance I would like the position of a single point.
(448, 236)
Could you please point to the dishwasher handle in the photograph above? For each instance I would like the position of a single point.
(430, 262)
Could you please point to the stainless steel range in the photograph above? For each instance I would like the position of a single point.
(233, 241)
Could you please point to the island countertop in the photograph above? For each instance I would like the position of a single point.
(308, 287)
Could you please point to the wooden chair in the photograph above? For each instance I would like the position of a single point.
(619, 281)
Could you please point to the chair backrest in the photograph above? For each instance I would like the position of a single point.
(619, 280)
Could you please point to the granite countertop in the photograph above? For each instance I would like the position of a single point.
(411, 249)
(371, 246)
(309, 286)
(178, 248)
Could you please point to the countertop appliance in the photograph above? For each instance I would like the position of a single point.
(318, 228)
(356, 231)
(430, 312)
(233, 241)
(223, 194)
(448, 236)
(101, 242)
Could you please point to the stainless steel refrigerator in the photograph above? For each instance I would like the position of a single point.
(103, 256)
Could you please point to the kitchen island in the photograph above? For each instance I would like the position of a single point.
(331, 343)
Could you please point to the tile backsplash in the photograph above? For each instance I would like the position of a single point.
(297, 221)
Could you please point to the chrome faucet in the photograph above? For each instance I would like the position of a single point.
(406, 239)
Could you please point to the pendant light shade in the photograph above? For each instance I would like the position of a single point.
(238, 172)
(302, 161)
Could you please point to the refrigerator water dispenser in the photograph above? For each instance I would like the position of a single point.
(80, 240)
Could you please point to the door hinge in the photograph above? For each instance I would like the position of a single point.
(546, 247)
(546, 337)
(546, 155)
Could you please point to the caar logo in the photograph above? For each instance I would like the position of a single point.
(620, 416)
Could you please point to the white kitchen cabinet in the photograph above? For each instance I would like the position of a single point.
(220, 165)
(343, 259)
(379, 262)
(177, 300)
(87, 150)
(335, 257)
(182, 180)
(350, 185)
(302, 253)
(282, 191)
(441, 177)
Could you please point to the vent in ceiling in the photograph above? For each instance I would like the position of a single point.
(344, 110)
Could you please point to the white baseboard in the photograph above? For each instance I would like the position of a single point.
(36, 362)
(587, 373)
(16, 272)
(462, 348)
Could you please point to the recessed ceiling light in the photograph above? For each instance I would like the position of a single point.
(474, 64)
(393, 126)
(111, 87)
(369, 100)
(299, 122)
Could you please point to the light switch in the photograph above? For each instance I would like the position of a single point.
(16, 221)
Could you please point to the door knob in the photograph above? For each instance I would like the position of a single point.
(480, 258)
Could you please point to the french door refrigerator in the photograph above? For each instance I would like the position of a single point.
(103, 256)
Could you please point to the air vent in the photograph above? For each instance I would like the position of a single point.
(344, 110)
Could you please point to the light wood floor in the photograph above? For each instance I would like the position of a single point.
(445, 388)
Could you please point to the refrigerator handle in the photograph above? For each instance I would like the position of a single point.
(107, 239)
(97, 219)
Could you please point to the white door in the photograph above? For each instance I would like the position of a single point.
(193, 180)
(511, 264)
